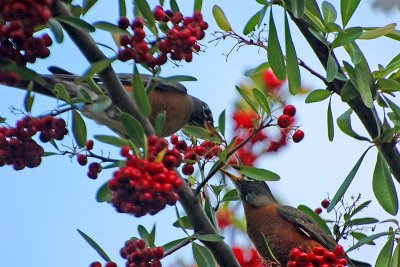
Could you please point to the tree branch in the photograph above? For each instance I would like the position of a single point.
(202, 225)
(367, 116)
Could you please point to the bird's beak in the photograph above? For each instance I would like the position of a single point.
(235, 179)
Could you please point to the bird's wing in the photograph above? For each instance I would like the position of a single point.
(126, 79)
(307, 225)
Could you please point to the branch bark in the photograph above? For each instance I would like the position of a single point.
(368, 116)
(202, 225)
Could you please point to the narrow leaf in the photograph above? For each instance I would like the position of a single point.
(221, 123)
(122, 8)
(246, 98)
(88, 4)
(346, 183)
(56, 30)
(251, 24)
(292, 65)
(112, 140)
(198, 4)
(388, 85)
(344, 123)
(94, 245)
(75, 22)
(298, 8)
(361, 221)
(97, 67)
(231, 195)
(78, 129)
(183, 222)
(258, 174)
(139, 93)
(174, 6)
(360, 207)
(396, 256)
(133, 129)
(221, 19)
(347, 8)
(209, 237)
(317, 95)
(329, 119)
(363, 87)
(383, 186)
(159, 123)
(202, 256)
(176, 242)
(372, 33)
(367, 240)
(262, 100)
(347, 37)
(385, 255)
(109, 27)
(144, 8)
(180, 78)
(200, 133)
(103, 194)
(331, 69)
(275, 55)
(29, 98)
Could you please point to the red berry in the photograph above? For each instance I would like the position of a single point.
(318, 210)
(325, 203)
(289, 110)
(294, 253)
(110, 264)
(284, 121)
(174, 139)
(89, 144)
(95, 264)
(82, 159)
(125, 151)
(187, 169)
(298, 136)
(342, 261)
(319, 250)
(339, 251)
(123, 23)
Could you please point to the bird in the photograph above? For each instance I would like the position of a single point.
(172, 98)
(281, 227)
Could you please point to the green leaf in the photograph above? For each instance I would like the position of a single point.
(246, 98)
(176, 242)
(292, 64)
(317, 95)
(112, 140)
(146, 236)
(57, 30)
(360, 235)
(383, 186)
(347, 181)
(221, 19)
(361, 221)
(103, 194)
(140, 94)
(78, 128)
(360, 207)
(262, 100)
(329, 12)
(252, 23)
(315, 217)
(88, 4)
(183, 222)
(257, 70)
(180, 78)
(367, 240)
(109, 27)
(329, 119)
(347, 8)
(344, 123)
(396, 256)
(354, 53)
(376, 32)
(298, 8)
(144, 8)
(346, 37)
(258, 174)
(210, 212)
(231, 195)
(198, 4)
(385, 255)
(94, 245)
(203, 256)
(75, 22)
(97, 67)
(29, 98)
(200, 133)
(209, 237)
(122, 8)
(331, 69)
(174, 6)
(221, 123)
(363, 87)
(133, 129)
(275, 55)
(388, 85)
(159, 123)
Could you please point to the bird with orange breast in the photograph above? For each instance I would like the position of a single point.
(279, 227)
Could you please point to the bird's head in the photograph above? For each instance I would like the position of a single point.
(252, 192)
(202, 116)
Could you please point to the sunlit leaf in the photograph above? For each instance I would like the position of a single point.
(376, 32)
(258, 174)
(383, 186)
(329, 12)
(388, 85)
(347, 8)
(221, 19)
(317, 95)
(231, 195)
(247, 98)
(347, 37)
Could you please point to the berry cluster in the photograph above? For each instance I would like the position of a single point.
(318, 257)
(94, 168)
(18, 19)
(17, 147)
(98, 264)
(324, 203)
(180, 40)
(146, 185)
(191, 155)
(286, 121)
(138, 255)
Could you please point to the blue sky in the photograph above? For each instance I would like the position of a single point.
(43, 207)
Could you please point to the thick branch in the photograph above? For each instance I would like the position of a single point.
(221, 251)
(367, 116)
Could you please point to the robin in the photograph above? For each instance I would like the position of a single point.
(172, 98)
(280, 227)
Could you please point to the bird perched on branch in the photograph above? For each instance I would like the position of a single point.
(170, 97)
(280, 227)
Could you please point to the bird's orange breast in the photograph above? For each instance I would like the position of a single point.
(280, 234)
